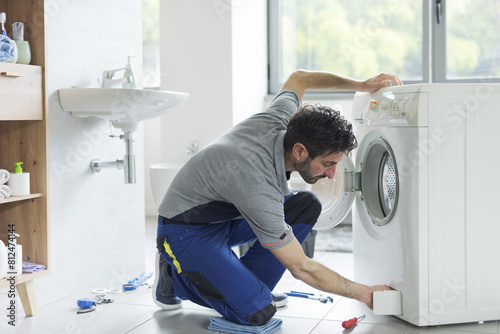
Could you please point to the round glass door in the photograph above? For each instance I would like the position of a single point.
(379, 182)
(335, 200)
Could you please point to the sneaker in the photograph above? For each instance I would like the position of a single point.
(280, 299)
(163, 289)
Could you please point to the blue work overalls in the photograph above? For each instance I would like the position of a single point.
(206, 271)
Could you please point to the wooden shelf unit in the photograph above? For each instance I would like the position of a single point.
(23, 137)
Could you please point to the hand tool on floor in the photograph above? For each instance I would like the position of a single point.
(349, 323)
(321, 298)
(134, 283)
(101, 299)
(86, 305)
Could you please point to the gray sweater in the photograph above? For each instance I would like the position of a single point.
(240, 174)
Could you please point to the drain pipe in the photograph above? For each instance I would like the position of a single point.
(129, 158)
(128, 162)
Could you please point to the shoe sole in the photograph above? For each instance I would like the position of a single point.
(281, 303)
(157, 276)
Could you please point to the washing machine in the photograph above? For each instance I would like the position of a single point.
(425, 220)
(423, 188)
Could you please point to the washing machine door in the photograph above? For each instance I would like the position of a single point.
(335, 199)
(378, 180)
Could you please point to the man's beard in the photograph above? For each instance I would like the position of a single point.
(304, 169)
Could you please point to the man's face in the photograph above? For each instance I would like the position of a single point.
(312, 170)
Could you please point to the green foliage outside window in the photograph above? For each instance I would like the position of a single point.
(360, 38)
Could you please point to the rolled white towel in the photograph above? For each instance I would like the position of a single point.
(4, 176)
(5, 191)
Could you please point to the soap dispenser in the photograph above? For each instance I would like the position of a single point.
(129, 73)
(19, 182)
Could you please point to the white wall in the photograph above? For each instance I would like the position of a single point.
(96, 221)
(249, 52)
(195, 52)
(217, 52)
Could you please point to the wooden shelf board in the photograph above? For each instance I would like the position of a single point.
(20, 198)
(4, 283)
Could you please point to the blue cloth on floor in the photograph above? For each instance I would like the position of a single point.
(226, 326)
(7, 47)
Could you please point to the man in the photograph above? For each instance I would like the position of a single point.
(235, 191)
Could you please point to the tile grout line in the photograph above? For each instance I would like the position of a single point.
(142, 323)
(319, 322)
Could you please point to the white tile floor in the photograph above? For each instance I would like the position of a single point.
(134, 312)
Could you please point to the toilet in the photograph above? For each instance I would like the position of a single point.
(161, 175)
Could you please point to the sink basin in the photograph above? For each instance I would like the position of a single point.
(123, 107)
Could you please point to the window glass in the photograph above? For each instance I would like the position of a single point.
(151, 43)
(353, 38)
(472, 38)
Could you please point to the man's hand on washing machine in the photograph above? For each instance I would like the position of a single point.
(366, 293)
(381, 80)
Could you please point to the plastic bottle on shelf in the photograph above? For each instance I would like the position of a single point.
(19, 182)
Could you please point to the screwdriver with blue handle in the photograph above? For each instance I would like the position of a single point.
(134, 283)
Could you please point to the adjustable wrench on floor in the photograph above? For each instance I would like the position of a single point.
(321, 298)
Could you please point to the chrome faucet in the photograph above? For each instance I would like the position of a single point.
(109, 81)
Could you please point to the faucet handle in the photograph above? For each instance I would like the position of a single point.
(108, 74)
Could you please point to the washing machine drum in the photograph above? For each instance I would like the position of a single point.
(379, 181)
(376, 182)
(336, 202)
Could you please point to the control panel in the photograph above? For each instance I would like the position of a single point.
(391, 106)
(388, 108)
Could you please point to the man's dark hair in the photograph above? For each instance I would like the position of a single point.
(321, 130)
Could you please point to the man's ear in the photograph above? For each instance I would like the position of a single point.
(299, 152)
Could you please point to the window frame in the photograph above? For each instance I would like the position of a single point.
(433, 49)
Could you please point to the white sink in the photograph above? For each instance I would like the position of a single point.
(123, 107)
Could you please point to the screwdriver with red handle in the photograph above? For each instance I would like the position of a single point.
(349, 323)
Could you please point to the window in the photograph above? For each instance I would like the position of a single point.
(472, 37)
(359, 38)
(151, 43)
